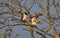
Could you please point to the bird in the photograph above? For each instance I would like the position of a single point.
(33, 20)
(24, 16)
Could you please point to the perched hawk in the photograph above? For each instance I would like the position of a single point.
(33, 20)
(24, 16)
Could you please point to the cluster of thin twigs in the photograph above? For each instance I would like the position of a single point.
(16, 8)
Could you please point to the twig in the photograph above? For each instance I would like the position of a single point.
(31, 32)
(49, 18)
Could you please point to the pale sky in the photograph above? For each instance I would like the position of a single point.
(24, 33)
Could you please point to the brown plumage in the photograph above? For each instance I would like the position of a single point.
(23, 16)
(33, 20)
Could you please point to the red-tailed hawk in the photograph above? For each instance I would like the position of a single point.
(33, 20)
(24, 16)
